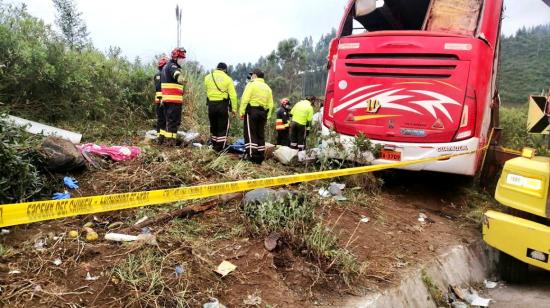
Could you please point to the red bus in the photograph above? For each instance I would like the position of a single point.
(416, 77)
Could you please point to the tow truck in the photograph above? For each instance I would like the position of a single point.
(521, 231)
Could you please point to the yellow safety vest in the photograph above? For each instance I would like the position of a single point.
(302, 112)
(226, 88)
(257, 94)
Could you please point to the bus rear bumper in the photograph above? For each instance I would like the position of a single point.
(464, 165)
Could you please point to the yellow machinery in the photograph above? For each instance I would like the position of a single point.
(522, 232)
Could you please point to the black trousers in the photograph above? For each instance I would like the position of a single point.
(297, 136)
(218, 114)
(254, 133)
(173, 119)
(283, 137)
(161, 118)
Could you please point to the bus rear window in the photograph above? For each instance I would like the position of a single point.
(450, 16)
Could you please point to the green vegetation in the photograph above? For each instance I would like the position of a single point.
(525, 64)
(20, 178)
(513, 120)
(297, 222)
(437, 296)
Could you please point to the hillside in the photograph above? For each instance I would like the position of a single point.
(525, 64)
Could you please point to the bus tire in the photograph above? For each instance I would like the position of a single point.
(511, 269)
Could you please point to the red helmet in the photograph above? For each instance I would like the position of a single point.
(162, 62)
(178, 52)
(285, 101)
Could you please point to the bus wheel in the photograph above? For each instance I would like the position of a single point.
(511, 269)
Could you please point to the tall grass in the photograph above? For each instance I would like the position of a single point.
(513, 120)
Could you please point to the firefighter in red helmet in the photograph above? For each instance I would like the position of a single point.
(173, 84)
(159, 106)
(282, 123)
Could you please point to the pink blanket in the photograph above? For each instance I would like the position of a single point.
(117, 153)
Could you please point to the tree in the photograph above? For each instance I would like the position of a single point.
(70, 23)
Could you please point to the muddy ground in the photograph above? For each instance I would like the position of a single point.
(179, 269)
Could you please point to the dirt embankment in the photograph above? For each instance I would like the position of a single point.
(179, 270)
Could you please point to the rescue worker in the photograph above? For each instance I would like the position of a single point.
(221, 98)
(282, 123)
(173, 85)
(302, 114)
(159, 106)
(256, 109)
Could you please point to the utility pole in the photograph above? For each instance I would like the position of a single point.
(178, 22)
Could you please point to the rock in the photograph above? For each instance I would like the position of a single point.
(285, 155)
(60, 155)
(264, 195)
(271, 241)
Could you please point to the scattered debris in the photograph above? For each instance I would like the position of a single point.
(490, 284)
(91, 235)
(237, 147)
(59, 155)
(119, 237)
(271, 241)
(116, 153)
(334, 190)
(61, 196)
(364, 219)
(39, 244)
(115, 225)
(14, 272)
(141, 220)
(188, 137)
(324, 193)
(70, 182)
(252, 300)
(73, 234)
(89, 277)
(310, 155)
(180, 270)
(46, 130)
(285, 155)
(4, 232)
(213, 303)
(471, 297)
(424, 219)
(197, 145)
(151, 135)
(57, 262)
(225, 268)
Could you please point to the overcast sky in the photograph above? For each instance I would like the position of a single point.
(227, 30)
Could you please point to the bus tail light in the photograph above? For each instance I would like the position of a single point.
(468, 120)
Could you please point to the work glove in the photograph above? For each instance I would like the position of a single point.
(61, 196)
(70, 182)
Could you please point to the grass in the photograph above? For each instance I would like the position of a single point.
(302, 229)
(478, 202)
(145, 274)
(437, 296)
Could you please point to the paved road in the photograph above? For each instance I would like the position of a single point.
(534, 293)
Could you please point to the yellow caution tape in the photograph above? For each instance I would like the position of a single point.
(24, 213)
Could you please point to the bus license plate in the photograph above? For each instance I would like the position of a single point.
(391, 155)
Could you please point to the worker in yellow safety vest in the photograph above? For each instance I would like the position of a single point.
(221, 98)
(282, 123)
(173, 83)
(256, 109)
(159, 106)
(302, 115)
